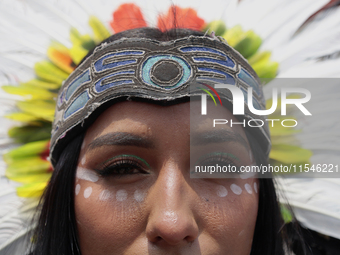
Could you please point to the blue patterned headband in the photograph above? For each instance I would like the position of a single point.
(150, 70)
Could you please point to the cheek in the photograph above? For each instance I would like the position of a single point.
(107, 216)
(229, 212)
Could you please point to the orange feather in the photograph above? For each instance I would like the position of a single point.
(61, 59)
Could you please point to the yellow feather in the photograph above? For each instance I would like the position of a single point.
(23, 117)
(77, 53)
(233, 35)
(99, 30)
(289, 154)
(38, 108)
(29, 91)
(41, 84)
(31, 190)
(31, 178)
(266, 68)
(27, 165)
(259, 56)
(49, 72)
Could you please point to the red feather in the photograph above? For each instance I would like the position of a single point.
(178, 17)
(127, 16)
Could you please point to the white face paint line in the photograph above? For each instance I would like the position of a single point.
(83, 160)
(250, 156)
(139, 195)
(83, 145)
(248, 188)
(121, 195)
(236, 189)
(77, 189)
(87, 192)
(247, 175)
(87, 175)
(241, 233)
(105, 195)
(255, 187)
(222, 191)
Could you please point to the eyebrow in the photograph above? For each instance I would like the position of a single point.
(217, 136)
(121, 139)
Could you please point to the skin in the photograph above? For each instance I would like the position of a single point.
(177, 214)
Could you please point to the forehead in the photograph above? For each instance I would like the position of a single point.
(152, 119)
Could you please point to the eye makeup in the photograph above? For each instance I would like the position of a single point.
(215, 158)
(124, 164)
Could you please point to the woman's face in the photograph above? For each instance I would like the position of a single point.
(134, 194)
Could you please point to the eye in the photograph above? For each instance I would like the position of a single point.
(123, 165)
(216, 165)
(220, 158)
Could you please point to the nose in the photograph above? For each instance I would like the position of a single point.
(171, 220)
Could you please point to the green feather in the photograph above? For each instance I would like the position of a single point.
(27, 150)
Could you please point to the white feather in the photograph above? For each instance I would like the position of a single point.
(30, 26)
(315, 202)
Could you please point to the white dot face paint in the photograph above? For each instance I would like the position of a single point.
(222, 191)
(87, 175)
(105, 195)
(139, 195)
(77, 189)
(248, 188)
(236, 189)
(83, 160)
(121, 195)
(255, 187)
(87, 192)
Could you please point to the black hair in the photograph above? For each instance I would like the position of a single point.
(56, 231)
(148, 32)
(268, 237)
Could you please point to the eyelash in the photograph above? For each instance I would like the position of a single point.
(212, 158)
(121, 167)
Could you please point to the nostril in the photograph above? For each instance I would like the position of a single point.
(163, 232)
(158, 239)
(189, 239)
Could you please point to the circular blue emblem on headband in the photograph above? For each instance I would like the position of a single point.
(166, 71)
